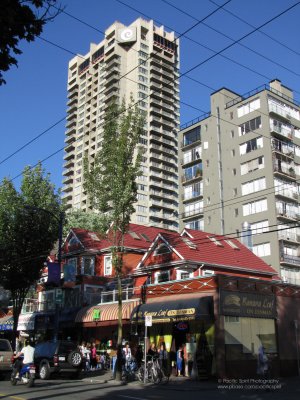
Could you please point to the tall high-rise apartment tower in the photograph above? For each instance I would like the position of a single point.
(240, 172)
(142, 61)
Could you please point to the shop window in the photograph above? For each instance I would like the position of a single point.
(244, 338)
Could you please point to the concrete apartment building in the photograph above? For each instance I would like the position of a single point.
(140, 60)
(239, 168)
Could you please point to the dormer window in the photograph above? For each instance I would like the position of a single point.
(162, 249)
(215, 241)
(161, 276)
(73, 241)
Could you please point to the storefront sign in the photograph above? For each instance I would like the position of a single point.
(174, 311)
(148, 320)
(96, 314)
(247, 304)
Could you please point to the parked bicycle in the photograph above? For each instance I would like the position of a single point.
(154, 372)
(129, 371)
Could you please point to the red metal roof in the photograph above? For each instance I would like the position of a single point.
(196, 246)
(133, 238)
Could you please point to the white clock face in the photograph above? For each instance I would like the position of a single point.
(126, 34)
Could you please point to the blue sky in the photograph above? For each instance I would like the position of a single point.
(34, 97)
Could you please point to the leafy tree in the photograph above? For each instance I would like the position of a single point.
(28, 231)
(21, 19)
(85, 220)
(110, 182)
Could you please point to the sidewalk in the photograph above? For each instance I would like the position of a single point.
(276, 386)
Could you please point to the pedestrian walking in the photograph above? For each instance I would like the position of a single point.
(179, 361)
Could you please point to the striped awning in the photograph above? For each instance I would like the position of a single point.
(6, 323)
(105, 312)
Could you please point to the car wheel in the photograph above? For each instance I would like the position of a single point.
(75, 358)
(44, 371)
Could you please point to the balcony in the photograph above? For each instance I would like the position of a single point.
(281, 130)
(284, 170)
(188, 178)
(287, 214)
(191, 213)
(288, 259)
(276, 109)
(288, 236)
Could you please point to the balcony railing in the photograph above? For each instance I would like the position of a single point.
(289, 171)
(291, 236)
(295, 260)
(284, 131)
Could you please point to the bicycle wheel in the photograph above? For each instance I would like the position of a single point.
(155, 375)
(140, 374)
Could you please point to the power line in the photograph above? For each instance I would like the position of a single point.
(202, 45)
(261, 32)
(241, 38)
(123, 76)
(73, 53)
(32, 140)
(230, 38)
(185, 73)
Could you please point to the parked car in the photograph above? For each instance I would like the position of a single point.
(57, 357)
(6, 354)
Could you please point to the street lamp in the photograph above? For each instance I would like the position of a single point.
(60, 220)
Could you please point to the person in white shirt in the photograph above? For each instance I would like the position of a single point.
(127, 353)
(28, 357)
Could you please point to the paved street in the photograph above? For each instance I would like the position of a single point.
(100, 387)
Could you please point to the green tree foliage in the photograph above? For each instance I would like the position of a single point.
(28, 231)
(110, 182)
(21, 19)
(85, 220)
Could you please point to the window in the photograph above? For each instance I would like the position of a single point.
(193, 208)
(232, 153)
(141, 197)
(255, 207)
(262, 250)
(183, 274)
(141, 187)
(248, 107)
(162, 249)
(107, 265)
(260, 227)
(193, 171)
(192, 136)
(229, 318)
(234, 192)
(232, 134)
(244, 336)
(250, 126)
(88, 266)
(251, 145)
(234, 171)
(142, 209)
(197, 224)
(253, 165)
(141, 218)
(161, 276)
(253, 186)
(236, 212)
